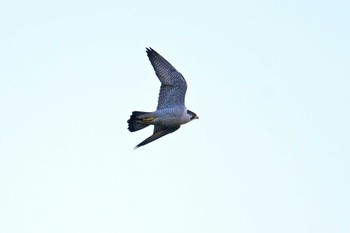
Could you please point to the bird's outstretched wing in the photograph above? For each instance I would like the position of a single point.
(159, 131)
(173, 89)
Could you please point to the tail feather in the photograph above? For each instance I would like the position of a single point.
(134, 122)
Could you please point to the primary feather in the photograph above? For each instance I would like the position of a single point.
(173, 85)
(171, 111)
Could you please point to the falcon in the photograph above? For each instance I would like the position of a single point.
(171, 112)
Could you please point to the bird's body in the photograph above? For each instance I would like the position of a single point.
(171, 111)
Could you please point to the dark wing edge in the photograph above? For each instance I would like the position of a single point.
(173, 89)
(166, 73)
(158, 133)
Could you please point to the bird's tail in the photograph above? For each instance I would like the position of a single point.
(139, 120)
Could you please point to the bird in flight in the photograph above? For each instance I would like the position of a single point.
(171, 111)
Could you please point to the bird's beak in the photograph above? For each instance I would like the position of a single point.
(196, 117)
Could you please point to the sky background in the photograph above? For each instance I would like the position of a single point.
(269, 80)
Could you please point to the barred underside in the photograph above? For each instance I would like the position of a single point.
(171, 111)
(173, 89)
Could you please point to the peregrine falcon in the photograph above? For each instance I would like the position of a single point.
(171, 111)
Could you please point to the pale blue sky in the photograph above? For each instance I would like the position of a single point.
(268, 79)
